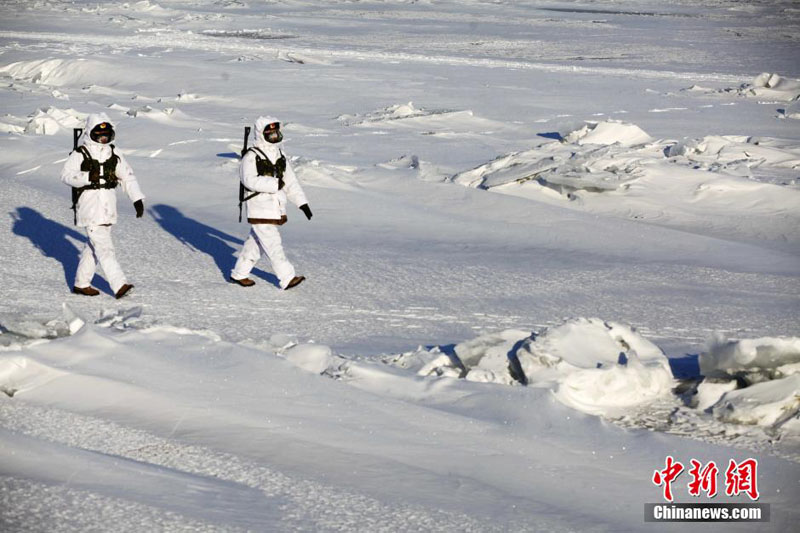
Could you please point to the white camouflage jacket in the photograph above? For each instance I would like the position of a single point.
(98, 207)
(269, 207)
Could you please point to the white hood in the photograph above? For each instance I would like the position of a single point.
(98, 151)
(257, 138)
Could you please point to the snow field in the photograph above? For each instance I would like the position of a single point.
(649, 177)
(169, 407)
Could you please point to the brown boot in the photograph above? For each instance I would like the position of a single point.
(297, 280)
(123, 290)
(244, 282)
(86, 291)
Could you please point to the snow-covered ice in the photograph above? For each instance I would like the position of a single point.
(552, 244)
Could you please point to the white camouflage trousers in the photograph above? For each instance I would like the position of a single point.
(264, 239)
(99, 249)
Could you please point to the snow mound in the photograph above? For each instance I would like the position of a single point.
(48, 71)
(144, 6)
(488, 358)
(319, 174)
(422, 170)
(90, 74)
(609, 132)
(613, 389)
(149, 111)
(698, 184)
(767, 85)
(187, 97)
(394, 112)
(709, 391)
(784, 114)
(773, 86)
(49, 121)
(585, 160)
(6, 127)
(597, 367)
(606, 366)
(19, 373)
(315, 358)
(770, 403)
(724, 151)
(402, 162)
(768, 356)
(752, 382)
(16, 331)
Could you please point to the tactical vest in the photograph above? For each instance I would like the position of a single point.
(109, 169)
(264, 167)
(109, 174)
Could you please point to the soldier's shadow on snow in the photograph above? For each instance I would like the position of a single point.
(203, 238)
(53, 240)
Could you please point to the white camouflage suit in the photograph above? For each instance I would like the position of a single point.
(267, 210)
(97, 208)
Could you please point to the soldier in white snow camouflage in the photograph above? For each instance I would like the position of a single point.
(268, 182)
(94, 170)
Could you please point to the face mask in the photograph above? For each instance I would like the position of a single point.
(102, 133)
(272, 133)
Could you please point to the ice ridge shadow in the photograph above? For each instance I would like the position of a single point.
(52, 239)
(551, 135)
(685, 368)
(217, 244)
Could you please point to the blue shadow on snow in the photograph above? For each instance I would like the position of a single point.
(687, 367)
(551, 135)
(204, 238)
(51, 238)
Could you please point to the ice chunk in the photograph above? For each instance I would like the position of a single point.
(314, 358)
(595, 366)
(611, 389)
(74, 322)
(42, 125)
(591, 342)
(773, 81)
(764, 404)
(609, 132)
(10, 128)
(709, 392)
(762, 79)
(726, 357)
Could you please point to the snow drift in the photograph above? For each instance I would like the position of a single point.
(753, 381)
(767, 85)
(594, 366)
(616, 169)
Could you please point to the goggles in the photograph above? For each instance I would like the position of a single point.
(103, 133)
(272, 133)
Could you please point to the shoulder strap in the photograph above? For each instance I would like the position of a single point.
(255, 149)
(84, 152)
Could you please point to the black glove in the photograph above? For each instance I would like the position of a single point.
(307, 210)
(139, 206)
